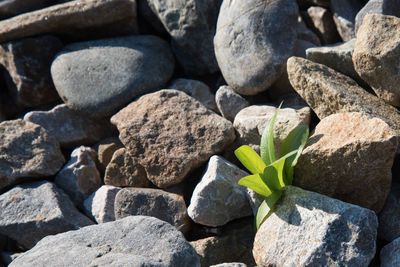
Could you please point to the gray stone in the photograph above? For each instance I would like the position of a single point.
(305, 34)
(29, 212)
(322, 20)
(253, 41)
(79, 177)
(255, 200)
(170, 134)
(100, 77)
(69, 127)
(390, 255)
(100, 205)
(27, 151)
(105, 150)
(217, 198)
(376, 56)
(309, 229)
(229, 102)
(344, 15)
(133, 241)
(389, 217)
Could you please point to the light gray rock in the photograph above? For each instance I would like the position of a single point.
(229, 102)
(133, 241)
(27, 151)
(390, 255)
(100, 205)
(253, 41)
(389, 217)
(170, 134)
(29, 212)
(309, 229)
(69, 127)
(99, 77)
(79, 177)
(165, 206)
(217, 198)
(344, 15)
(322, 20)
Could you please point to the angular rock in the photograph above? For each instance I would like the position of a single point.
(105, 150)
(217, 198)
(27, 151)
(72, 18)
(327, 92)
(99, 77)
(349, 157)
(123, 170)
(390, 254)
(69, 127)
(389, 217)
(170, 134)
(229, 102)
(29, 212)
(253, 41)
(165, 206)
(322, 21)
(133, 241)
(79, 177)
(28, 63)
(100, 205)
(309, 229)
(344, 15)
(377, 54)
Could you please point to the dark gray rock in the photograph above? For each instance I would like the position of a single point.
(29, 212)
(132, 241)
(390, 255)
(344, 15)
(99, 77)
(229, 102)
(389, 217)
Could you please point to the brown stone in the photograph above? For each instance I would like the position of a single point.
(105, 150)
(323, 23)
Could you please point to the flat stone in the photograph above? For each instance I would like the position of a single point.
(390, 254)
(27, 151)
(376, 56)
(165, 206)
(322, 21)
(253, 41)
(79, 177)
(389, 217)
(170, 134)
(100, 77)
(69, 127)
(344, 15)
(309, 229)
(123, 170)
(229, 102)
(133, 241)
(29, 212)
(100, 205)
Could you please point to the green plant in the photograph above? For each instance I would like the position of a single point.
(271, 174)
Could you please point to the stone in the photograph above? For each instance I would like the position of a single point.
(389, 254)
(69, 127)
(349, 156)
(100, 77)
(79, 178)
(376, 56)
(253, 41)
(123, 170)
(105, 150)
(322, 22)
(11, 8)
(72, 18)
(27, 151)
(389, 217)
(218, 198)
(29, 212)
(305, 34)
(327, 92)
(170, 134)
(255, 200)
(309, 229)
(230, 264)
(344, 15)
(229, 102)
(132, 241)
(100, 205)
(27, 62)
(196, 89)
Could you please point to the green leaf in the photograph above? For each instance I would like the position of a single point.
(256, 183)
(266, 207)
(267, 148)
(274, 175)
(250, 159)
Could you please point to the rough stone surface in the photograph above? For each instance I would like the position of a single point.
(165, 206)
(170, 134)
(123, 170)
(344, 15)
(27, 150)
(69, 127)
(133, 241)
(27, 62)
(309, 229)
(390, 255)
(29, 212)
(79, 177)
(322, 21)
(229, 102)
(389, 217)
(327, 92)
(376, 56)
(349, 156)
(253, 41)
(100, 205)
(105, 150)
(99, 77)
(217, 198)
